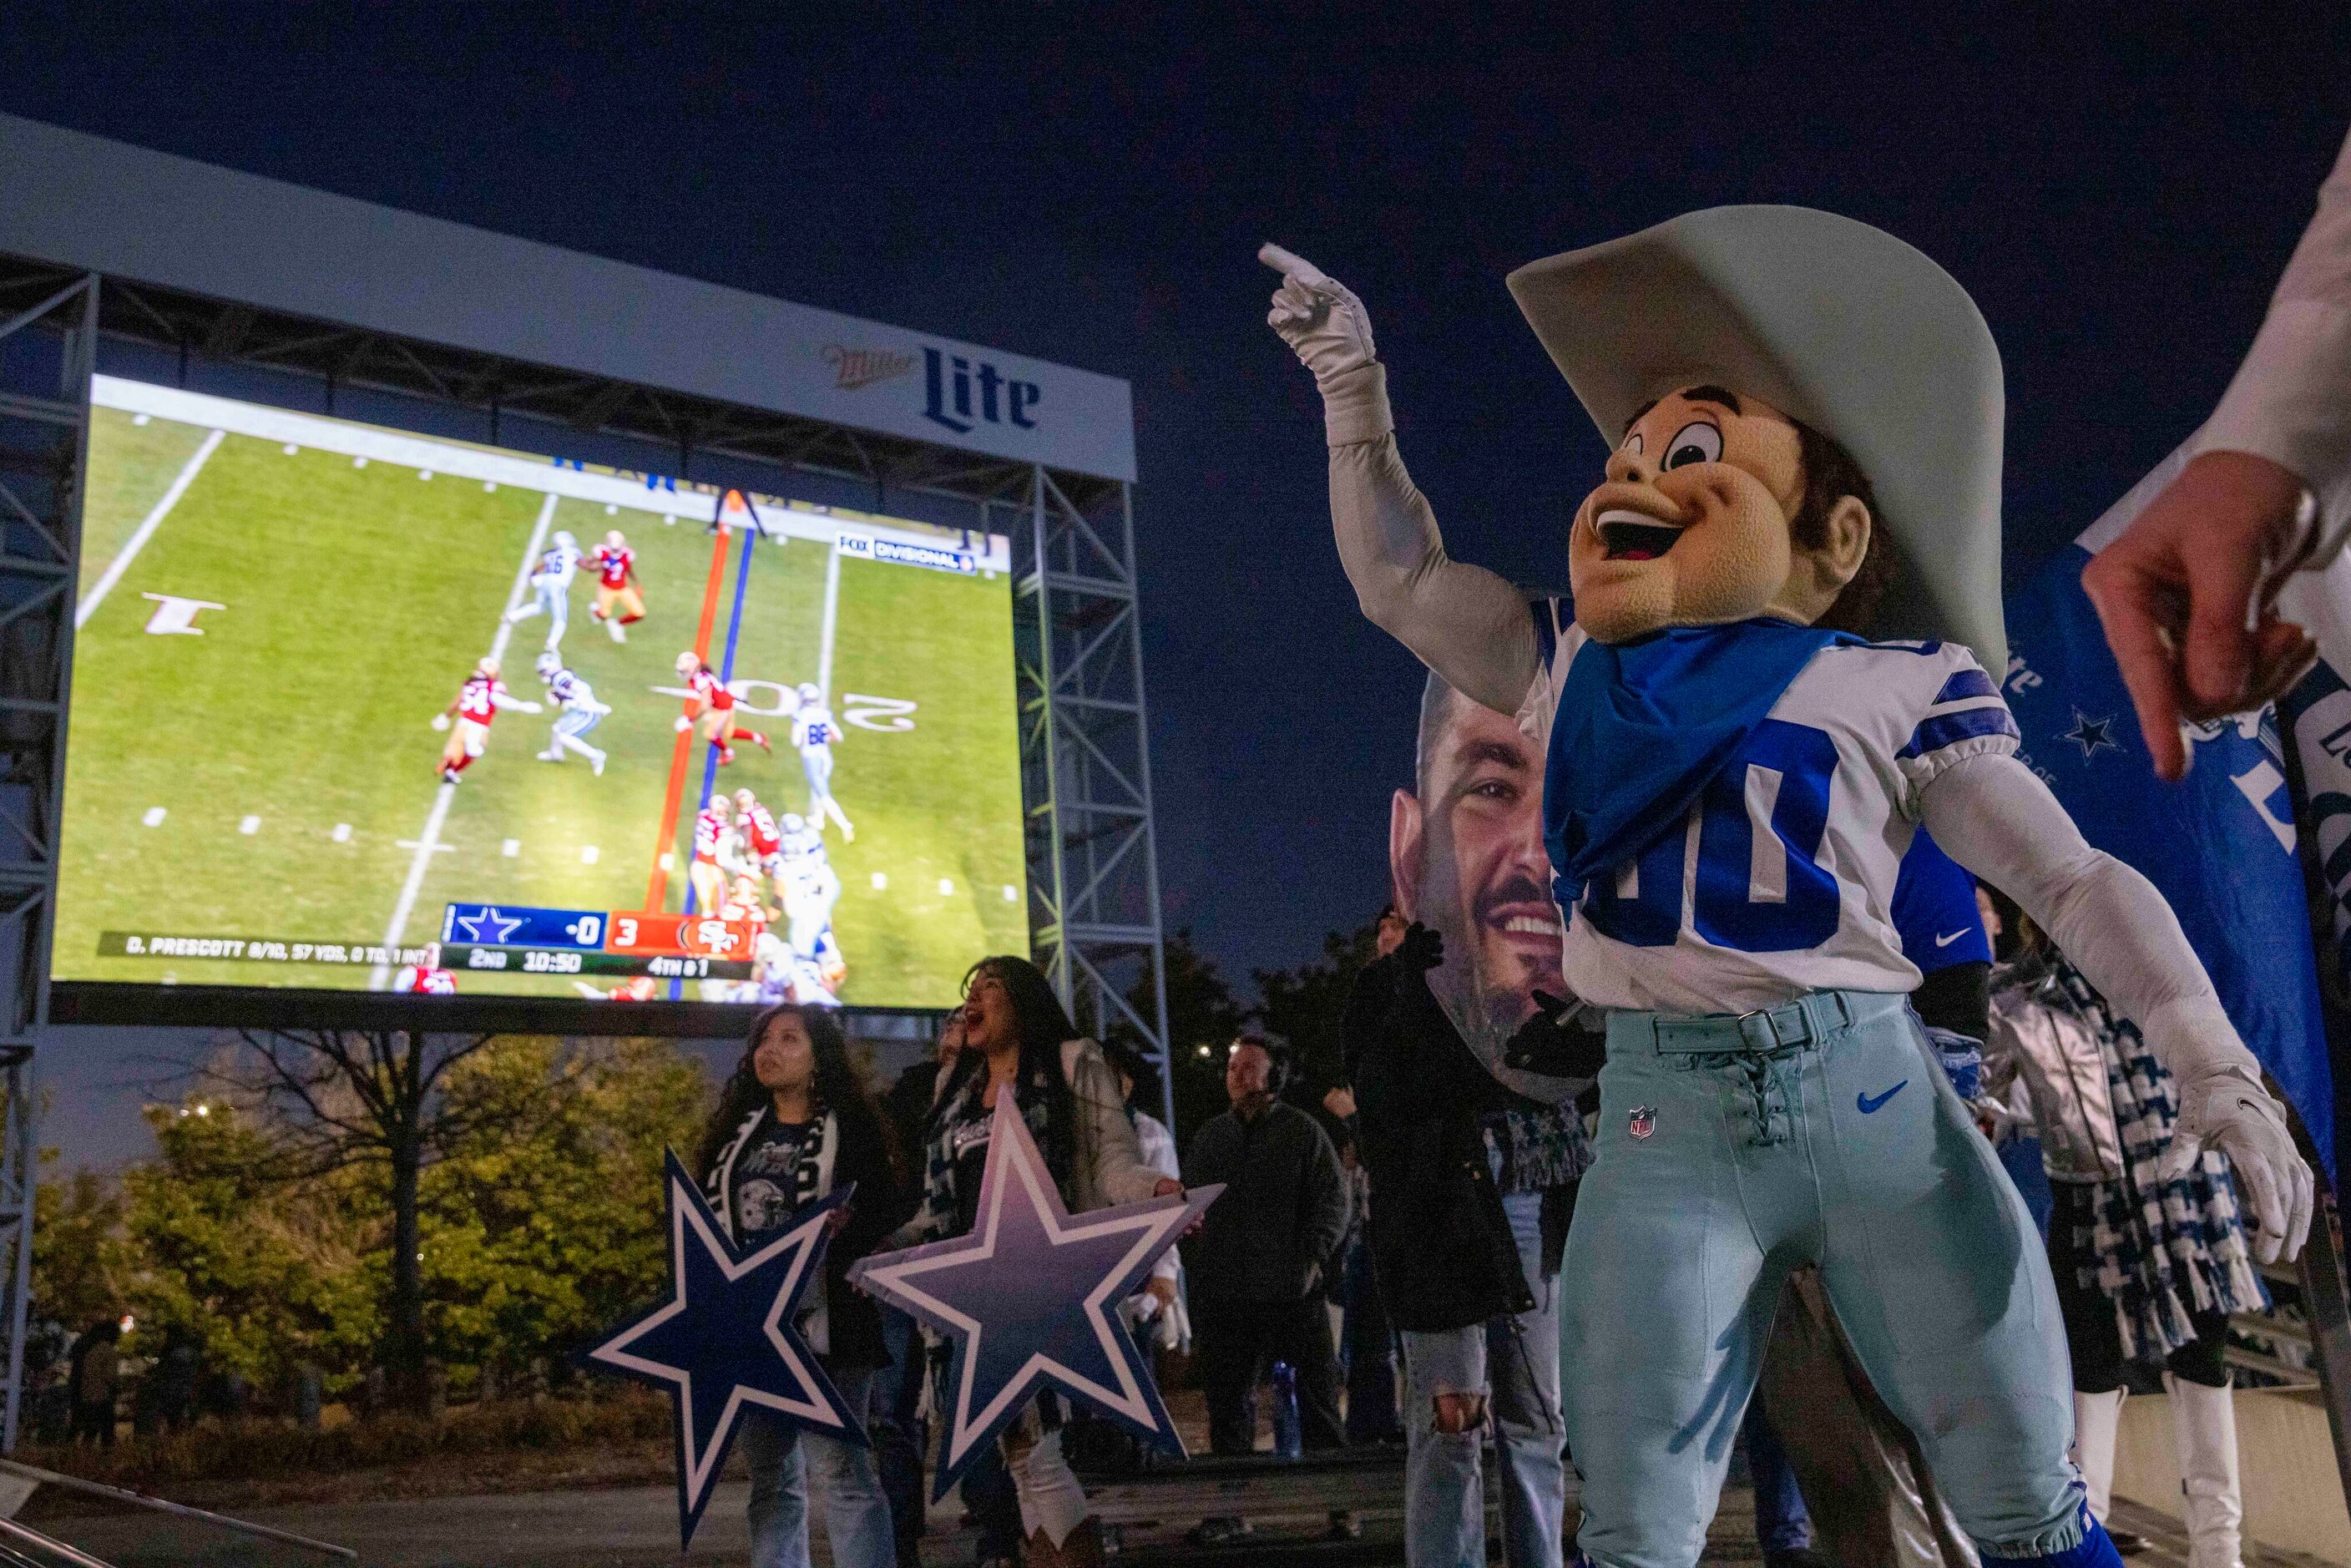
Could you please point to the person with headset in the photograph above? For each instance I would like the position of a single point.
(1258, 1263)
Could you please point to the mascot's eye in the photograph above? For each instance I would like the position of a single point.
(1633, 443)
(1698, 442)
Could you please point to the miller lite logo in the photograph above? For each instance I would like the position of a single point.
(855, 367)
(1642, 1122)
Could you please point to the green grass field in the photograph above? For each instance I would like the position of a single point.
(288, 747)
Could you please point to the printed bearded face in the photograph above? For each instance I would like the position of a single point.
(1691, 525)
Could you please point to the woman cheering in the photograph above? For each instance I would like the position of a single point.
(795, 1124)
(1018, 1040)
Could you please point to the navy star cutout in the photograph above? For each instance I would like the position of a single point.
(1030, 1298)
(725, 1340)
(2092, 734)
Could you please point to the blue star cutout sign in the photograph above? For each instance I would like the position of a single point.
(725, 1340)
(2091, 734)
(1029, 1299)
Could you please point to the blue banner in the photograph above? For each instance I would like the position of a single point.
(2220, 845)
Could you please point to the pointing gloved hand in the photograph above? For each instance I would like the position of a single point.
(2224, 1107)
(1319, 317)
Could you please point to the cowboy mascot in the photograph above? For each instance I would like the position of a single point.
(1804, 418)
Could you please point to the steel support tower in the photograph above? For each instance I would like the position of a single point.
(1085, 758)
(49, 335)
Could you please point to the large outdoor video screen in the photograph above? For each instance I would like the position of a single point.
(356, 709)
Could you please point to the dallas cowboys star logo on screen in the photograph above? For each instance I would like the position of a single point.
(1029, 1298)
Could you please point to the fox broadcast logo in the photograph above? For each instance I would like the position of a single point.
(958, 391)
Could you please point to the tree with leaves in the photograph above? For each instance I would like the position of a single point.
(375, 1101)
(536, 1239)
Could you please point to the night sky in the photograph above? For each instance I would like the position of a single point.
(1064, 181)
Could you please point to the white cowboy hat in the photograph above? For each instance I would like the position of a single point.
(1837, 324)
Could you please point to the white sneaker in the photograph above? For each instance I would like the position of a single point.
(550, 757)
(596, 764)
(619, 633)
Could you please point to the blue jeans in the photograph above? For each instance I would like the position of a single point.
(893, 1418)
(1514, 1359)
(1782, 1523)
(787, 1463)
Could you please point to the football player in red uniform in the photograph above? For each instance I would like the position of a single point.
(475, 705)
(713, 854)
(712, 709)
(616, 585)
(427, 978)
(763, 843)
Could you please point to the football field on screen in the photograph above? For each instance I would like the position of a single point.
(269, 771)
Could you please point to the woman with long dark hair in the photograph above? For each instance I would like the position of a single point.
(794, 1123)
(1017, 1039)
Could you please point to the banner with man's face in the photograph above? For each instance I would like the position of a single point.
(1466, 857)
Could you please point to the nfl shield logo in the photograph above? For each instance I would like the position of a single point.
(1642, 1122)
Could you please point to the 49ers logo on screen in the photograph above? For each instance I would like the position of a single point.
(696, 936)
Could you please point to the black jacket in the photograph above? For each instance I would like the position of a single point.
(1272, 1234)
(1440, 1241)
(854, 1324)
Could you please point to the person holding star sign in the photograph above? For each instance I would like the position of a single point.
(1803, 416)
(1019, 1042)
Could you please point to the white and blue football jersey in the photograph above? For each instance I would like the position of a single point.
(558, 564)
(573, 693)
(1781, 878)
(813, 729)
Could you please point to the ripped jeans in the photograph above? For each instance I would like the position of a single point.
(1513, 1359)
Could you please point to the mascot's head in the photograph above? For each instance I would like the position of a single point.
(1717, 507)
(1805, 414)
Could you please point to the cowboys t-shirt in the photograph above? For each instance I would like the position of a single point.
(767, 1178)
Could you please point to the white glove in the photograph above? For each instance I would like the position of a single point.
(440, 721)
(1319, 317)
(682, 724)
(527, 707)
(2224, 1107)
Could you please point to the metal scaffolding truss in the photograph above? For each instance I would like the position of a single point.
(48, 332)
(1085, 755)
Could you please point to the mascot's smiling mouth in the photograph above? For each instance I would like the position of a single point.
(1627, 534)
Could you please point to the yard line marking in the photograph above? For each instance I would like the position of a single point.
(947, 888)
(831, 614)
(422, 844)
(880, 881)
(146, 530)
(588, 854)
(342, 833)
(429, 839)
(511, 848)
(154, 817)
(249, 826)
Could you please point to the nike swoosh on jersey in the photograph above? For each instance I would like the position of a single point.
(1870, 1104)
(1947, 939)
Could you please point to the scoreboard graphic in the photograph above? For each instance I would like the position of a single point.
(489, 936)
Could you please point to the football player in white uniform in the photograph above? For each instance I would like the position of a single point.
(550, 588)
(810, 886)
(1730, 790)
(577, 712)
(813, 734)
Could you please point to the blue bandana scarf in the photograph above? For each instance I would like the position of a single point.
(1643, 726)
